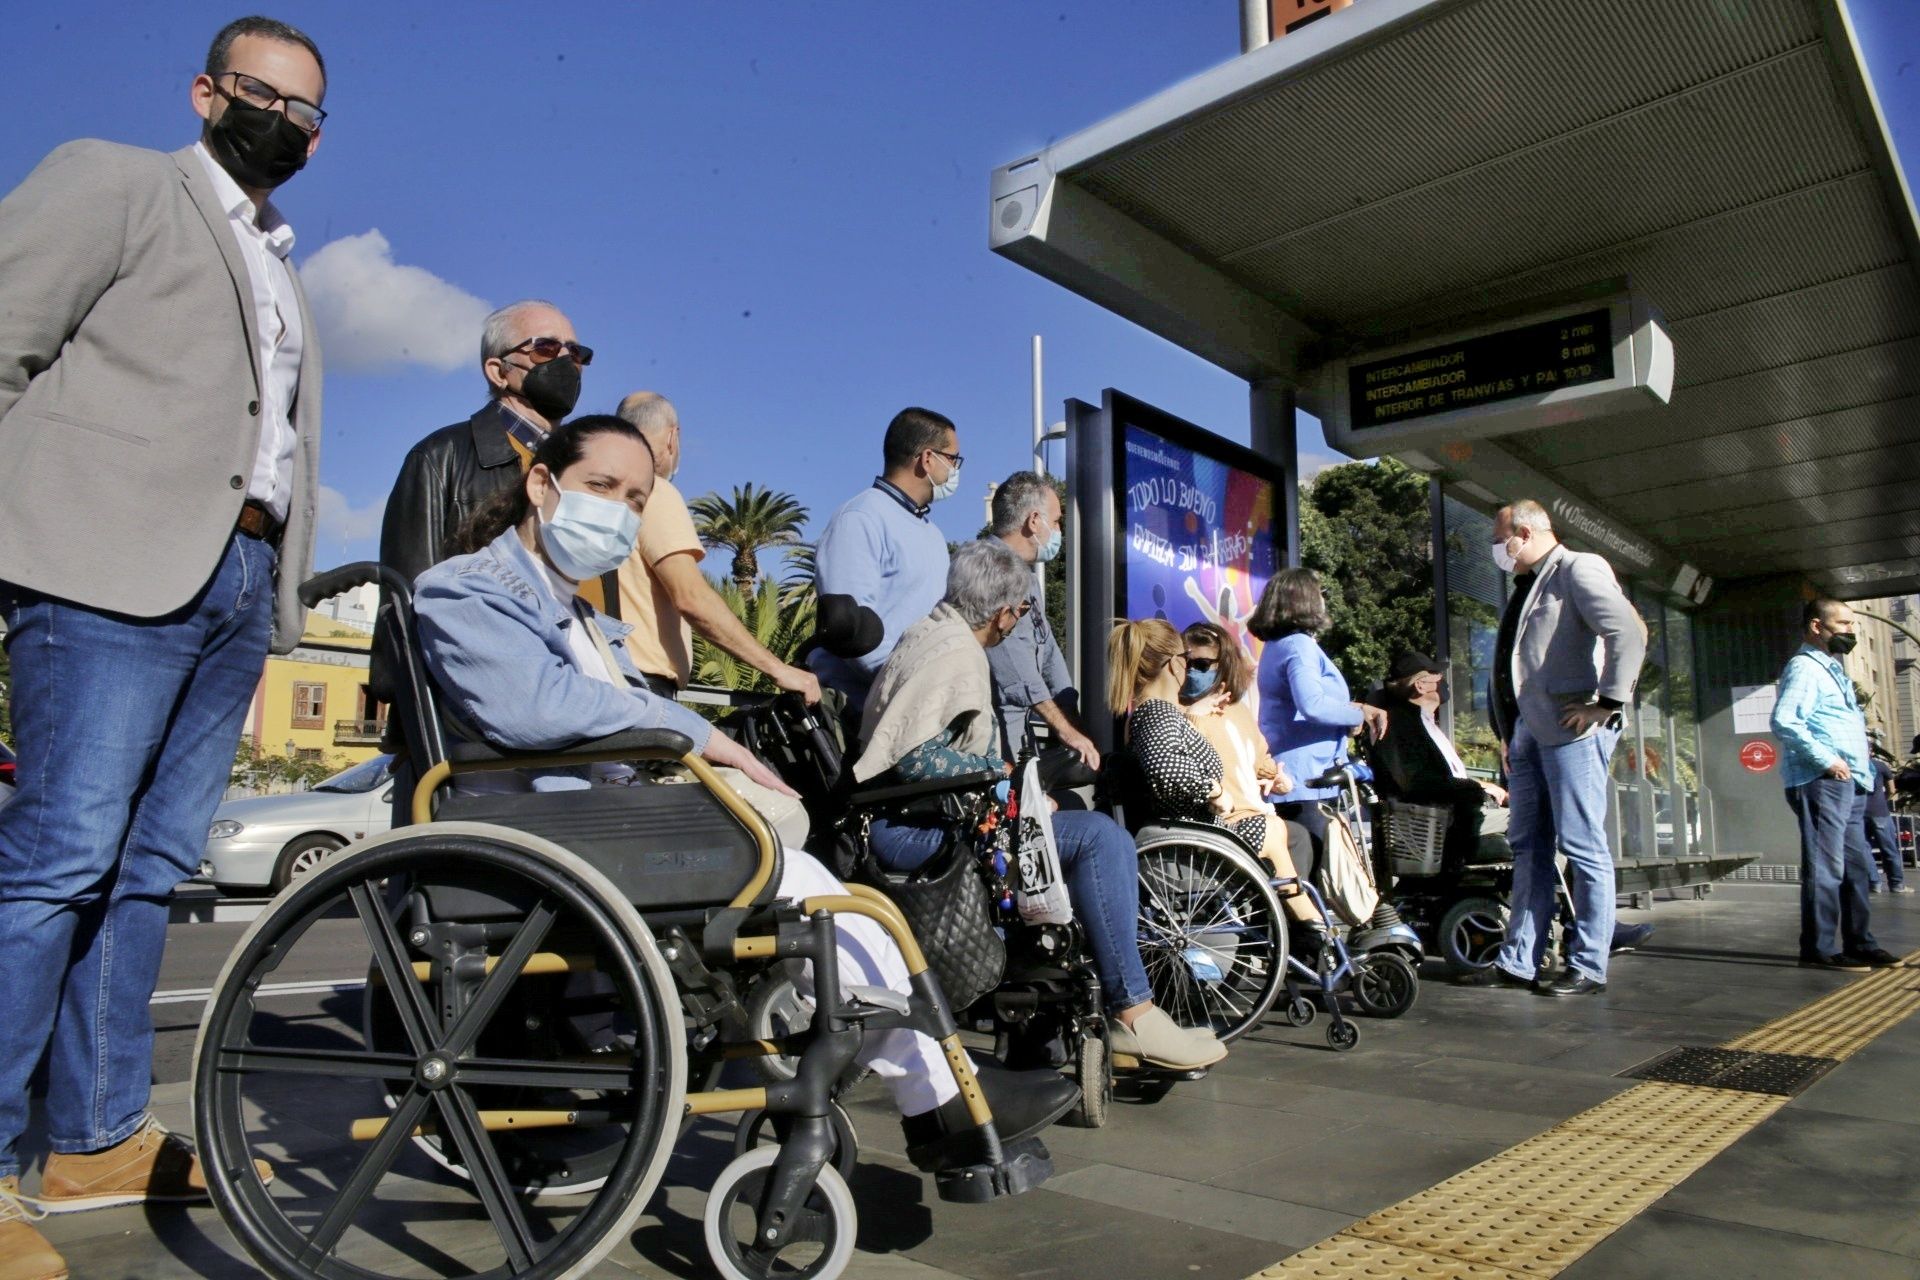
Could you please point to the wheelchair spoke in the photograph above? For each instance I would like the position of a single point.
(372, 1167)
(395, 968)
(347, 1063)
(529, 1073)
(495, 986)
(483, 1165)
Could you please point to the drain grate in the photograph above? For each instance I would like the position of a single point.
(1785, 1074)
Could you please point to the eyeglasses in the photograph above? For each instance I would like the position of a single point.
(1199, 664)
(954, 458)
(545, 349)
(258, 93)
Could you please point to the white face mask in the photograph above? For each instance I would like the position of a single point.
(587, 536)
(1502, 558)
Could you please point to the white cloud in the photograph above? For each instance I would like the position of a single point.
(376, 313)
(343, 524)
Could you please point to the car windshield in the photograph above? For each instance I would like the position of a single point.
(364, 776)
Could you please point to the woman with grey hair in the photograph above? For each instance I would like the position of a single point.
(930, 715)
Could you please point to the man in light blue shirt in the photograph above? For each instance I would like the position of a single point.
(1828, 771)
(881, 549)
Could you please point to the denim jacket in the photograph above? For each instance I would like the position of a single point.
(1818, 721)
(496, 643)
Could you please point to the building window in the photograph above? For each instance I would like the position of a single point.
(309, 706)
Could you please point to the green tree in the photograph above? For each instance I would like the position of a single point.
(802, 569)
(1366, 528)
(746, 524)
(779, 624)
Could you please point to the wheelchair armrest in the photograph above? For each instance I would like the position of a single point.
(636, 741)
(977, 781)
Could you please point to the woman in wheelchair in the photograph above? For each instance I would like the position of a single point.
(1149, 670)
(930, 715)
(526, 664)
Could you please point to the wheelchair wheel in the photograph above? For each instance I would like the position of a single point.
(1093, 1072)
(465, 1068)
(1472, 931)
(821, 1244)
(760, 1128)
(1300, 1012)
(1385, 984)
(1212, 934)
(775, 1008)
(1342, 1036)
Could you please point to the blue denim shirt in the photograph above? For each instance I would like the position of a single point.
(1818, 720)
(495, 640)
(1306, 712)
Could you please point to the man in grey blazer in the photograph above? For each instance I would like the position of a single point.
(159, 438)
(1565, 663)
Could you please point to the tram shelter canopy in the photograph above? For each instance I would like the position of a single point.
(1403, 168)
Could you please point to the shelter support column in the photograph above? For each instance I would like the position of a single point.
(1275, 435)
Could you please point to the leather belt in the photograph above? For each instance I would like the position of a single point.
(660, 686)
(257, 522)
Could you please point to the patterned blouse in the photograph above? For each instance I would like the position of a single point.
(1181, 767)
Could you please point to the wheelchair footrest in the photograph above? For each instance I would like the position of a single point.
(1023, 1166)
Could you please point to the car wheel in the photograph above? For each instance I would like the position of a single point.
(303, 855)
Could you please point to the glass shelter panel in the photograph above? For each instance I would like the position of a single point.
(1476, 593)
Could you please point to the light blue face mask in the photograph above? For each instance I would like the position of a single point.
(948, 487)
(1051, 547)
(1198, 685)
(588, 536)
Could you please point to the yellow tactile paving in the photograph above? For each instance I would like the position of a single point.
(1536, 1207)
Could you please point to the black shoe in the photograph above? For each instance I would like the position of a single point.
(1571, 983)
(1874, 957)
(1494, 976)
(1626, 937)
(1836, 963)
(1023, 1103)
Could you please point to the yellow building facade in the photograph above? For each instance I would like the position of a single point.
(313, 703)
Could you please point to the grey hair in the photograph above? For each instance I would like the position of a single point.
(649, 411)
(1528, 514)
(497, 334)
(986, 577)
(1019, 496)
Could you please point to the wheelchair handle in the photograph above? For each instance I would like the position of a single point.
(331, 582)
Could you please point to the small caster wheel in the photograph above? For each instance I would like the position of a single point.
(1385, 984)
(754, 1130)
(1343, 1036)
(820, 1244)
(1300, 1011)
(1093, 1071)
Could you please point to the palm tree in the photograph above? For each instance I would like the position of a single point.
(778, 624)
(753, 520)
(802, 569)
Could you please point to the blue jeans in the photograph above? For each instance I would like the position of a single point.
(1886, 849)
(1103, 881)
(1559, 804)
(125, 729)
(1835, 868)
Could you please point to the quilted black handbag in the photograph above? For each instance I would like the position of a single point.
(947, 903)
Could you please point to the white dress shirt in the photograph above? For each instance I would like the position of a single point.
(265, 240)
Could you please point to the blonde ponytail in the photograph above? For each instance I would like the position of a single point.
(1136, 653)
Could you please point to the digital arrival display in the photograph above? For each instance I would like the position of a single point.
(1528, 360)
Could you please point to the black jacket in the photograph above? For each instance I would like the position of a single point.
(444, 478)
(1408, 764)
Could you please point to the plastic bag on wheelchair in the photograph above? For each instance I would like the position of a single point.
(1040, 893)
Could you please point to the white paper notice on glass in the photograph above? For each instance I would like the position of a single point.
(1753, 708)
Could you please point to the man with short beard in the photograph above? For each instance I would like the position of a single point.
(160, 403)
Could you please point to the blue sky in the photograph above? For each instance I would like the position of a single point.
(774, 214)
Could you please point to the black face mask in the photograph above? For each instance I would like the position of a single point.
(1443, 692)
(261, 149)
(1841, 646)
(552, 388)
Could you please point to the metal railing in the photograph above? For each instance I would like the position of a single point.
(357, 733)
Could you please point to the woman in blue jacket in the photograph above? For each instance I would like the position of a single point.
(1306, 711)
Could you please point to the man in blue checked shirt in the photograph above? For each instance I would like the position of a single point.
(1828, 770)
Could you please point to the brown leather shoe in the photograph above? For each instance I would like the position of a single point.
(24, 1252)
(151, 1167)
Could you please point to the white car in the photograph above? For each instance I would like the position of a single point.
(264, 843)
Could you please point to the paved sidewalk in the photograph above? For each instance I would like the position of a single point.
(1287, 1142)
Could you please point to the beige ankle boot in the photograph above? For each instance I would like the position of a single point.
(24, 1252)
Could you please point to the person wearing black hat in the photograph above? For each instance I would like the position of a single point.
(1415, 759)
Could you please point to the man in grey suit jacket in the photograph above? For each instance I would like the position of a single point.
(1566, 662)
(159, 438)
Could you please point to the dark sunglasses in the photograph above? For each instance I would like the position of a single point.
(1200, 664)
(545, 349)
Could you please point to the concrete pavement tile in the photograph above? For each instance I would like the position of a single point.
(1366, 1169)
(1817, 1174)
(1293, 1226)
(1660, 1245)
